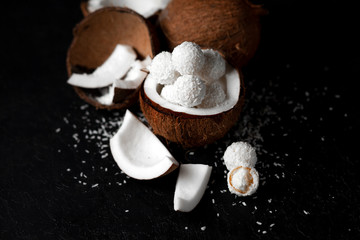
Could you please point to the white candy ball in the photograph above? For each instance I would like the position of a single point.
(188, 58)
(190, 90)
(240, 154)
(214, 95)
(169, 93)
(162, 69)
(214, 67)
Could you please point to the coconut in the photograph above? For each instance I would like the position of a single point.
(227, 25)
(138, 152)
(193, 127)
(95, 38)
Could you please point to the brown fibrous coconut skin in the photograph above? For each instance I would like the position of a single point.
(190, 131)
(95, 38)
(231, 26)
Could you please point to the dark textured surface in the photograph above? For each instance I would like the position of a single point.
(59, 181)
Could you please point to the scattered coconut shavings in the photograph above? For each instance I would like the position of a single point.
(256, 126)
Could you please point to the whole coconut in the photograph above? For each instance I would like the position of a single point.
(232, 26)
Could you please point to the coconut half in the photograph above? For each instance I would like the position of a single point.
(95, 38)
(190, 186)
(138, 152)
(193, 127)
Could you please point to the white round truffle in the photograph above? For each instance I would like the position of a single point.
(168, 92)
(240, 154)
(188, 58)
(162, 69)
(243, 181)
(214, 67)
(190, 90)
(214, 96)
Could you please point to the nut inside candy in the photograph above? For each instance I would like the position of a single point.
(243, 181)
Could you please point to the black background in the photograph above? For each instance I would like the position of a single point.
(59, 181)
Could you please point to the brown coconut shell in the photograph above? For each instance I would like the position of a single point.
(232, 26)
(190, 130)
(84, 7)
(95, 38)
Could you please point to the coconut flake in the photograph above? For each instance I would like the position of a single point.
(188, 58)
(107, 95)
(138, 152)
(190, 186)
(115, 67)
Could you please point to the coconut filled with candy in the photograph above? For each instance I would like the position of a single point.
(191, 96)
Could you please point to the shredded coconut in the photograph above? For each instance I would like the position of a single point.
(214, 67)
(190, 90)
(162, 69)
(188, 58)
(240, 154)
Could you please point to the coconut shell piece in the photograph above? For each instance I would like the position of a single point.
(190, 130)
(96, 36)
(84, 7)
(231, 26)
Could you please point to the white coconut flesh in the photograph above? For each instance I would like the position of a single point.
(138, 152)
(146, 8)
(114, 67)
(190, 186)
(230, 83)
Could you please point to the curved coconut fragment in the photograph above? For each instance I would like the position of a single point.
(96, 36)
(193, 127)
(145, 8)
(138, 152)
(114, 67)
(190, 186)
